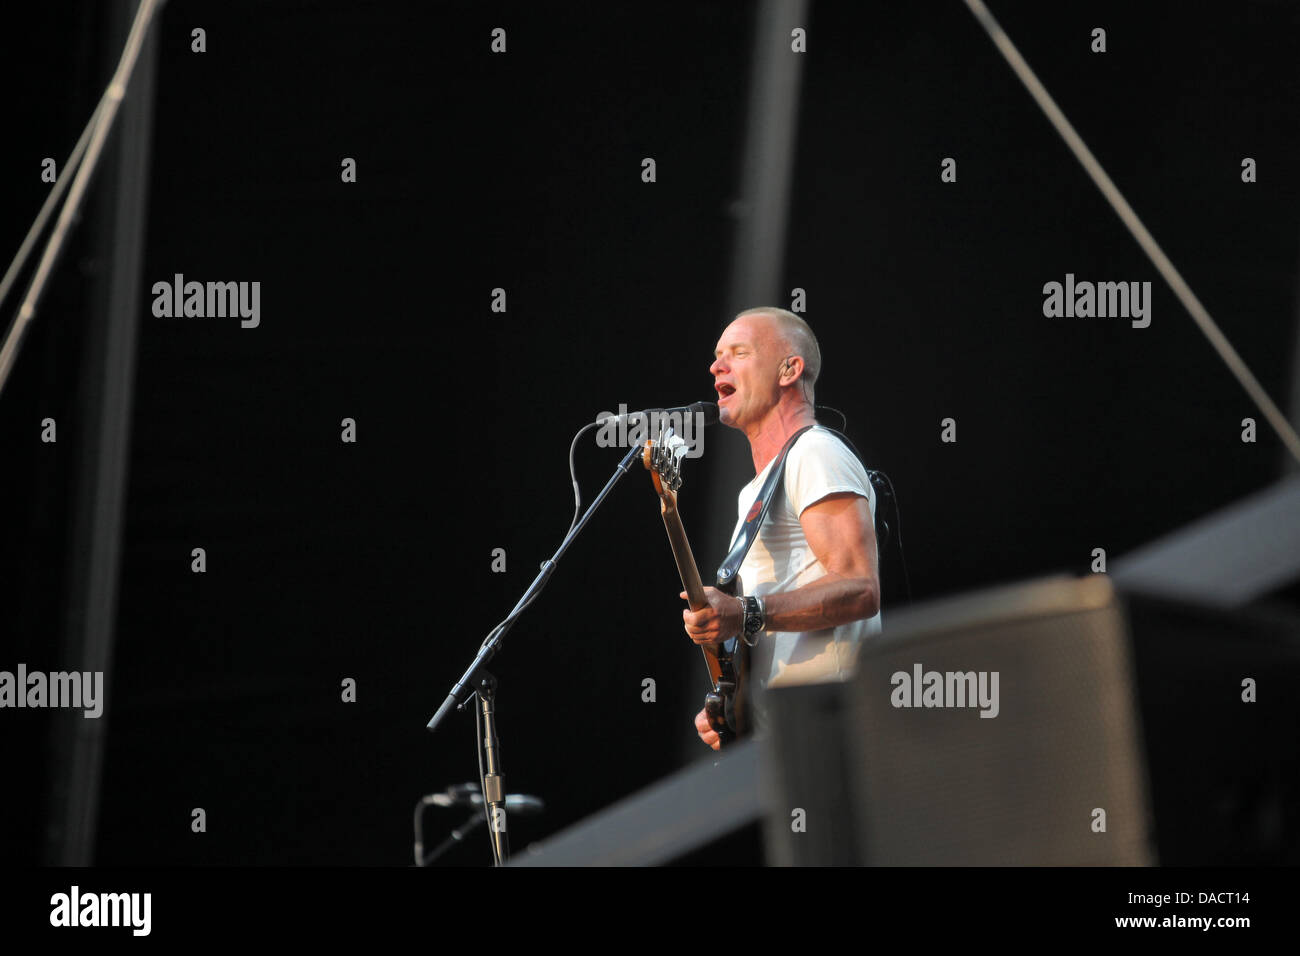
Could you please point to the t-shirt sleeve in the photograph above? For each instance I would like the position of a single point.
(821, 465)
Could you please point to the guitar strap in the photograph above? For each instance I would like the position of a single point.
(754, 519)
(727, 573)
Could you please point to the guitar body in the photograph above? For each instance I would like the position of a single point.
(727, 662)
(733, 661)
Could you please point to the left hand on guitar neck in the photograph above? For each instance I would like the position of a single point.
(720, 621)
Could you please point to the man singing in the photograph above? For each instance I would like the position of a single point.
(811, 579)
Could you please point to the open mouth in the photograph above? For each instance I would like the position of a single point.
(725, 390)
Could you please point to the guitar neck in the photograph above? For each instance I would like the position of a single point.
(686, 567)
(690, 575)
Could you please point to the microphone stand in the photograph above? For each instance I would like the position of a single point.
(483, 682)
(494, 783)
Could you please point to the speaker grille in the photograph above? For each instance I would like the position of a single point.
(941, 785)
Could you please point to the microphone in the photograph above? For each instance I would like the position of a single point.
(469, 795)
(708, 410)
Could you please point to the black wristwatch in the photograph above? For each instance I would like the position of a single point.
(755, 619)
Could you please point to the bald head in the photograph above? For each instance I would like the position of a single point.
(797, 339)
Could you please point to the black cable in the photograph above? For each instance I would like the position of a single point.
(577, 508)
(844, 419)
(897, 529)
(573, 476)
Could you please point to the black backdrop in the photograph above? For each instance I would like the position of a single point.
(373, 560)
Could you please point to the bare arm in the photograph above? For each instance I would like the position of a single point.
(842, 535)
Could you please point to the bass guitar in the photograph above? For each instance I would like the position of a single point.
(727, 662)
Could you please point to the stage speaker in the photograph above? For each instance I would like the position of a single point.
(998, 728)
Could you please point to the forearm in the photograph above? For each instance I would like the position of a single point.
(829, 601)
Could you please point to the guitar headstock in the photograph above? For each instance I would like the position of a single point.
(663, 459)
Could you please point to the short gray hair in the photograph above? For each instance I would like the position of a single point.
(799, 338)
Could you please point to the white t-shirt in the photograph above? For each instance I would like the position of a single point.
(780, 559)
